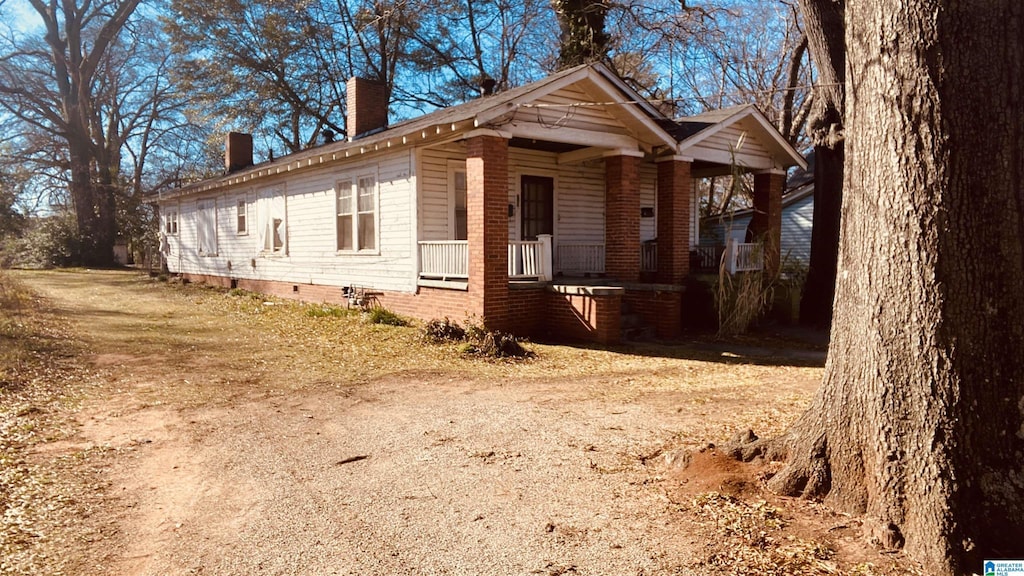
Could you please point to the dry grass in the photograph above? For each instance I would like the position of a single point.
(755, 538)
(38, 381)
(241, 342)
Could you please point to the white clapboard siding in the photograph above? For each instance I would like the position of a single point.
(736, 140)
(554, 110)
(434, 210)
(581, 204)
(797, 220)
(311, 231)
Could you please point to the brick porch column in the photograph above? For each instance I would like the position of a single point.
(675, 188)
(766, 223)
(622, 217)
(487, 228)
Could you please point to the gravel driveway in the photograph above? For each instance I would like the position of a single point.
(212, 466)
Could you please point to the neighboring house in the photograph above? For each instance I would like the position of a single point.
(797, 219)
(544, 210)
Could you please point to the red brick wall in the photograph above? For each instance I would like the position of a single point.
(674, 190)
(367, 106)
(766, 222)
(622, 218)
(527, 309)
(430, 304)
(535, 312)
(580, 317)
(237, 151)
(487, 228)
(662, 310)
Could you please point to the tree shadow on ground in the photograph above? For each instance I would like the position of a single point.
(771, 346)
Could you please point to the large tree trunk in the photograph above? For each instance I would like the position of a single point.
(94, 204)
(920, 420)
(825, 33)
(820, 285)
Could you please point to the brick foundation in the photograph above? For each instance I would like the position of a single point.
(660, 309)
(581, 316)
(535, 311)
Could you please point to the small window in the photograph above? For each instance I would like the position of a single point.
(242, 217)
(367, 213)
(171, 222)
(346, 228)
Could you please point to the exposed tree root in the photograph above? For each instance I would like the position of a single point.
(806, 473)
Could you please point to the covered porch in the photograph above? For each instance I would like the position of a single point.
(563, 185)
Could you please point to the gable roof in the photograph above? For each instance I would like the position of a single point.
(646, 127)
(697, 133)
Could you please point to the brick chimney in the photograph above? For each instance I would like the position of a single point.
(237, 151)
(367, 106)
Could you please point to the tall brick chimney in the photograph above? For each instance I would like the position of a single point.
(367, 106)
(237, 151)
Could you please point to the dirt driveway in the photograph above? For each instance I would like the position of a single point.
(226, 434)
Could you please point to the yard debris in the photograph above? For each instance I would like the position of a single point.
(351, 459)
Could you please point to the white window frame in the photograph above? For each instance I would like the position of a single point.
(272, 206)
(206, 226)
(455, 167)
(242, 216)
(171, 221)
(355, 182)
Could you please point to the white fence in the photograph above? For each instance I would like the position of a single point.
(581, 258)
(444, 259)
(743, 257)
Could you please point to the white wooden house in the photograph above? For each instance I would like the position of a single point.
(543, 210)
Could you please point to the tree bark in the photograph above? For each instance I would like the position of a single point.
(820, 285)
(583, 36)
(919, 423)
(826, 36)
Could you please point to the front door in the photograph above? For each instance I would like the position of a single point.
(537, 206)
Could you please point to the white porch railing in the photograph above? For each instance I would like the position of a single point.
(581, 257)
(710, 256)
(743, 257)
(530, 259)
(449, 259)
(444, 259)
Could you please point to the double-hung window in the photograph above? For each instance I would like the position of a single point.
(241, 217)
(356, 220)
(171, 221)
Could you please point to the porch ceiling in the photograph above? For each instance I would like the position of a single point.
(544, 145)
